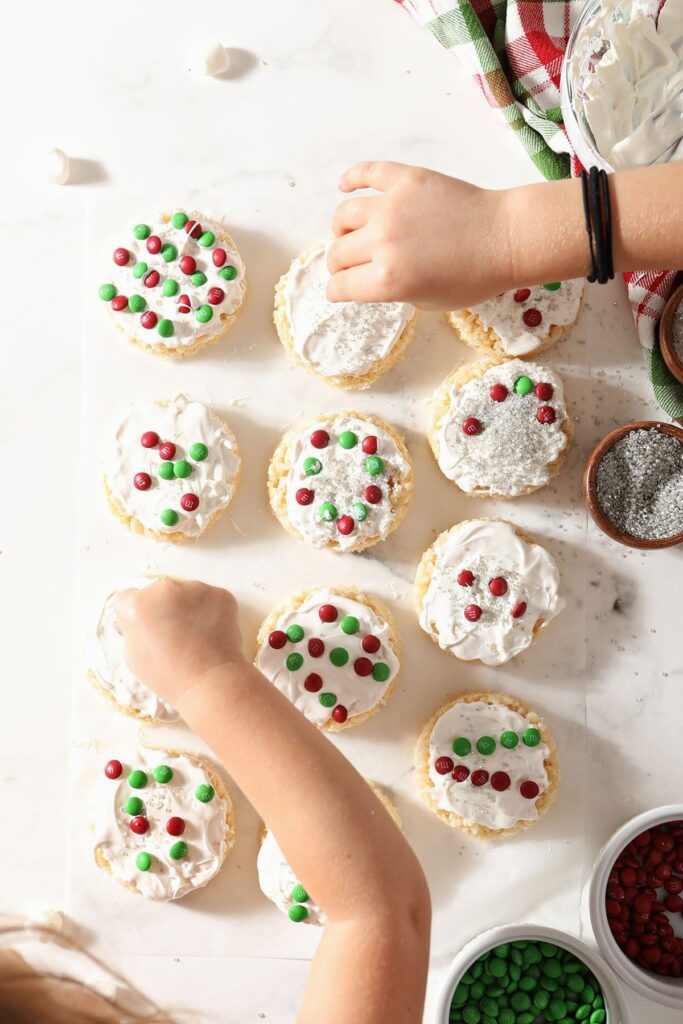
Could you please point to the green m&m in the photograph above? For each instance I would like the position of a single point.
(169, 517)
(140, 269)
(299, 894)
(142, 231)
(374, 465)
(295, 633)
(360, 511)
(165, 328)
(170, 287)
(134, 805)
(294, 662)
(107, 292)
(461, 746)
(198, 279)
(166, 470)
(204, 313)
(347, 439)
(297, 913)
(182, 469)
(339, 656)
(204, 793)
(523, 385)
(312, 466)
(349, 624)
(179, 219)
(553, 286)
(163, 774)
(380, 672)
(168, 252)
(531, 737)
(143, 861)
(327, 512)
(198, 451)
(328, 700)
(486, 745)
(137, 303)
(179, 850)
(228, 273)
(137, 779)
(206, 239)
(509, 739)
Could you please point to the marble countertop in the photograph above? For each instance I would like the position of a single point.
(313, 86)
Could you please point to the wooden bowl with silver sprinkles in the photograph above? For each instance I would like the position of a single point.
(671, 334)
(633, 484)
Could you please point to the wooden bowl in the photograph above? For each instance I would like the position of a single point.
(590, 491)
(666, 335)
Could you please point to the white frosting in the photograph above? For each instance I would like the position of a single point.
(184, 422)
(488, 549)
(513, 451)
(210, 59)
(187, 329)
(206, 834)
(356, 693)
(627, 76)
(112, 672)
(505, 316)
(342, 481)
(338, 338)
(58, 166)
(483, 805)
(277, 880)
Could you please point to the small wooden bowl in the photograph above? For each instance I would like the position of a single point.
(666, 335)
(590, 490)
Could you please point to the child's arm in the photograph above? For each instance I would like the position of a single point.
(442, 243)
(183, 640)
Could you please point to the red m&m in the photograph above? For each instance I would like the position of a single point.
(546, 414)
(219, 256)
(139, 825)
(480, 777)
(544, 391)
(188, 264)
(313, 682)
(119, 302)
(142, 481)
(340, 714)
(328, 613)
(189, 502)
(167, 450)
(345, 525)
(471, 426)
(216, 296)
(461, 772)
(444, 765)
(277, 639)
(121, 257)
(498, 586)
(369, 444)
(529, 790)
(113, 769)
(149, 319)
(184, 305)
(175, 826)
(150, 439)
(518, 609)
(373, 494)
(316, 647)
(151, 280)
(193, 228)
(371, 644)
(465, 578)
(522, 294)
(304, 496)
(320, 439)
(472, 612)
(532, 317)
(362, 666)
(154, 244)
(498, 392)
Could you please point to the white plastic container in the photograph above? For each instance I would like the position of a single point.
(615, 1003)
(668, 991)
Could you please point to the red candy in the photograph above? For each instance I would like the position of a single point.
(304, 496)
(148, 320)
(500, 781)
(529, 790)
(371, 644)
(313, 682)
(175, 826)
(184, 305)
(472, 612)
(167, 450)
(189, 502)
(150, 439)
(465, 578)
(328, 613)
(154, 244)
(277, 639)
(544, 391)
(444, 765)
(461, 772)
(369, 444)
(188, 264)
(480, 777)
(373, 494)
(498, 586)
(320, 439)
(193, 228)
(113, 769)
(522, 294)
(340, 714)
(345, 525)
(219, 256)
(546, 414)
(142, 481)
(139, 825)
(215, 296)
(518, 609)
(498, 392)
(119, 302)
(362, 666)
(151, 280)
(532, 317)
(471, 426)
(121, 257)
(316, 648)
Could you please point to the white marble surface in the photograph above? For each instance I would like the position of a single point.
(315, 85)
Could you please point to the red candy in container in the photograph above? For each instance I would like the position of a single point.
(636, 903)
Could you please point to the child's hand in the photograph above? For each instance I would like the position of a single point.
(428, 239)
(175, 631)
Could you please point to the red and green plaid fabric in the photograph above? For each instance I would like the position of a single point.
(515, 50)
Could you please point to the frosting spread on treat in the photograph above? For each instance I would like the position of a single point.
(522, 318)
(342, 482)
(487, 591)
(160, 823)
(173, 282)
(173, 466)
(331, 657)
(113, 673)
(279, 883)
(502, 430)
(487, 764)
(337, 338)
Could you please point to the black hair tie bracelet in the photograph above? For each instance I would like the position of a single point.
(598, 215)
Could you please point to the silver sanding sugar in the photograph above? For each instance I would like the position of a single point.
(640, 484)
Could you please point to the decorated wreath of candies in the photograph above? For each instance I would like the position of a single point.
(173, 468)
(528, 982)
(644, 900)
(487, 765)
(485, 589)
(348, 344)
(174, 285)
(164, 823)
(500, 427)
(522, 321)
(334, 653)
(343, 482)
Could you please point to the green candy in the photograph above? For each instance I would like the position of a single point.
(532, 738)
(140, 269)
(228, 273)
(170, 287)
(471, 1015)
(295, 633)
(206, 239)
(503, 950)
(374, 465)
(182, 469)
(523, 385)
(584, 1011)
(179, 219)
(587, 994)
(347, 439)
(204, 314)
(165, 328)
(169, 517)
(461, 746)
(137, 779)
(552, 968)
(527, 984)
(598, 1017)
(204, 793)
(557, 1008)
(134, 805)
(349, 624)
(294, 662)
(507, 1016)
(143, 861)
(461, 995)
(198, 451)
(168, 253)
(137, 303)
(477, 990)
(198, 278)
(490, 1007)
(360, 510)
(327, 512)
(299, 894)
(548, 949)
(497, 967)
(486, 745)
(297, 914)
(166, 470)
(520, 1001)
(541, 1000)
(575, 983)
(312, 466)
(179, 850)
(526, 1018)
(339, 656)
(142, 231)
(553, 286)
(107, 292)
(509, 740)
(163, 774)
(328, 700)
(380, 672)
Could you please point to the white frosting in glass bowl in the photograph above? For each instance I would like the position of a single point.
(279, 883)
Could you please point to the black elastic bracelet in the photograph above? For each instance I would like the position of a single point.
(598, 218)
(589, 230)
(607, 214)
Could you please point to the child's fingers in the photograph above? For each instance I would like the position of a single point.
(357, 284)
(353, 214)
(379, 174)
(351, 250)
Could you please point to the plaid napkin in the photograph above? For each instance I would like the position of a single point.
(515, 50)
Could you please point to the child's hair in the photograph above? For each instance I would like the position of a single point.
(35, 997)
